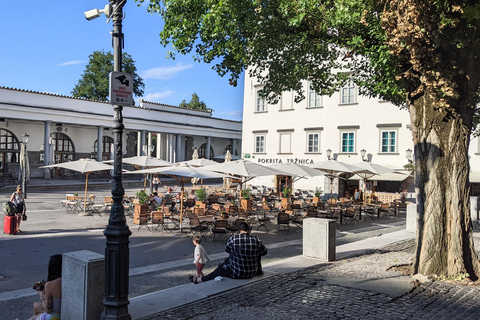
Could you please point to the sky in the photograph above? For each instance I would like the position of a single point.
(45, 46)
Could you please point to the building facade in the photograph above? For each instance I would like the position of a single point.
(63, 128)
(343, 126)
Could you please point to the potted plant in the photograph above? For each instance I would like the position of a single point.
(246, 202)
(318, 193)
(224, 215)
(202, 197)
(141, 207)
(286, 197)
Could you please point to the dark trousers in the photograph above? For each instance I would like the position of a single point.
(222, 270)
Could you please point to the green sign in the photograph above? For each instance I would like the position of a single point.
(247, 156)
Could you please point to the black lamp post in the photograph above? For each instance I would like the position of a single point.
(25, 137)
(117, 254)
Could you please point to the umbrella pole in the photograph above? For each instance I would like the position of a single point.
(85, 199)
(181, 208)
(145, 183)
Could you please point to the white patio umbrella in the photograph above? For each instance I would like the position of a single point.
(298, 171)
(183, 173)
(333, 169)
(222, 157)
(198, 162)
(142, 162)
(368, 170)
(195, 156)
(245, 169)
(86, 166)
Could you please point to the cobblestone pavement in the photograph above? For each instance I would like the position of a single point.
(305, 295)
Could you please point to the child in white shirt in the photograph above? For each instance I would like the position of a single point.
(200, 257)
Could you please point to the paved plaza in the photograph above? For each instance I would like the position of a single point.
(359, 285)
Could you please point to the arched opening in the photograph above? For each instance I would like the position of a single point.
(64, 149)
(202, 151)
(9, 149)
(107, 148)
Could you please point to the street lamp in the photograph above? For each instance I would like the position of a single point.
(117, 253)
(408, 153)
(25, 137)
(329, 155)
(363, 153)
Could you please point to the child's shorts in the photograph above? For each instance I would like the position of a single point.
(200, 267)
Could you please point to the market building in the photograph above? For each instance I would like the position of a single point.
(346, 126)
(63, 128)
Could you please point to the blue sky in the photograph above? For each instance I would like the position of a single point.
(46, 43)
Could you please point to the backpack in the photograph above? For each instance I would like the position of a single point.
(9, 208)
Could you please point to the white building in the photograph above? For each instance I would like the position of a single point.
(73, 127)
(345, 123)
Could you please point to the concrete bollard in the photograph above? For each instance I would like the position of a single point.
(319, 240)
(411, 223)
(474, 209)
(83, 285)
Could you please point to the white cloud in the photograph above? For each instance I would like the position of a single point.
(163, 73)
(69, 63)
(155, 97)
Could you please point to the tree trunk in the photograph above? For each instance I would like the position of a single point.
(444, 243)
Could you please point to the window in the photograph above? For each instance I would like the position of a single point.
(389, 141)
(285, 143)
(202, 151)
(348, 93)
(107, 148)
(261, 105)
(314, 99)
(313, 142)
(348, 142)
(260, 144)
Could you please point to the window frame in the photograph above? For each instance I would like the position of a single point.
(316, 95)
(257, 100)
(280, 140)
(350, 86)
(389, 146)
(255, 139)
(352, 132)
(308, 142)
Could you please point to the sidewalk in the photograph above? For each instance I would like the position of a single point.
(153, 305)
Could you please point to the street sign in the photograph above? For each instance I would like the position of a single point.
(121, 89)
(247, 156)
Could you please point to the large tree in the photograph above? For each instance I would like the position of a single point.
(94, 82)
(419, 54)
(194, 103)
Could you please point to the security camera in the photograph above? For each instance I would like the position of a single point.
(92, 14)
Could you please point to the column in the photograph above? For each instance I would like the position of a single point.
(139, 146)
(234, 147)
(100, 143)
(159, 137)
(207, 152)
(143, 134)
(46, 149)
(149, 143)
(180, 156)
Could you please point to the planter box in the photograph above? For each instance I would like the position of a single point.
(246, 204)
(140, 211)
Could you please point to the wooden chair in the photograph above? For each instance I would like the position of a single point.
(283, 221)
(157, 218)
(198, 228)
(220, 229)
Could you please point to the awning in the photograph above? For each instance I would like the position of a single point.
(400, 176)
(474, 177)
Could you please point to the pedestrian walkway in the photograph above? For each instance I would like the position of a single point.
(154, 304)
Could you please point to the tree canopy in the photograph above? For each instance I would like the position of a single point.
(94, 82)
(194, 103)
(419, 54)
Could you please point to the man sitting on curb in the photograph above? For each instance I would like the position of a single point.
(245, 251)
